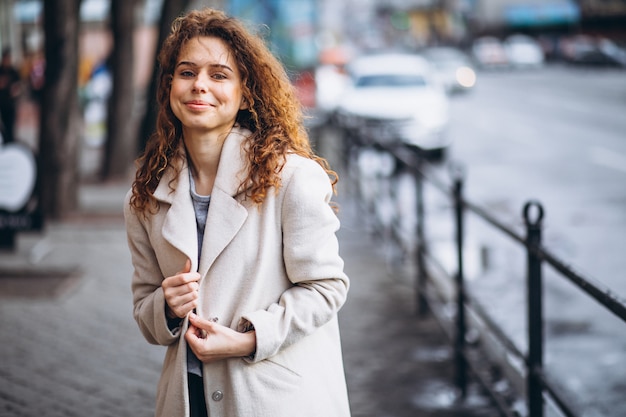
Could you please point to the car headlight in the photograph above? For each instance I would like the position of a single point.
(466, 77)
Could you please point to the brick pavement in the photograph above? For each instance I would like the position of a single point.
(80, 353)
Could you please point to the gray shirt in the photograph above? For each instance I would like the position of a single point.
(201, 207)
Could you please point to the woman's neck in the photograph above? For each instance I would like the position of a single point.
(204, 156)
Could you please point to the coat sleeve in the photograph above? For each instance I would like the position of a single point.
(148, 299)
(312, 261)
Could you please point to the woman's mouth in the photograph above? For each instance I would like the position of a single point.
(197, 104)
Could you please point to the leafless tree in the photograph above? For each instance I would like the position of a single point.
(169, 11)
(60, 117)
(120, 146)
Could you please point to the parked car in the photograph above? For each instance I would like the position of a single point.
(393, 98)
(523, 51)
(452, 67)
(488, 53)
(331, 81)
(588, 50)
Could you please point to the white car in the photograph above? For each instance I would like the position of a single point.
(488, 53)
(524, 51)
(452, 67)
(394, 98)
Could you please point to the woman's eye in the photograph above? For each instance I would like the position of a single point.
(219, 76)
(186, 73)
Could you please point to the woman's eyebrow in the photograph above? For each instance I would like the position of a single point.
(186, 63)
(222, 66)
(193, 64)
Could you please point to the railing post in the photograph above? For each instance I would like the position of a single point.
(535, 310)
(459, 345)
(421, 241)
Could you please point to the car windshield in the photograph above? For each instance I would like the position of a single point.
(390, 80)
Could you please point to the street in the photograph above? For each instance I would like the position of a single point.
(556, 135)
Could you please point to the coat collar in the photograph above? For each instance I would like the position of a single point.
(226, 215)
(230, 173)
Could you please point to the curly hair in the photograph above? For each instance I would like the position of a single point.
(273, 113)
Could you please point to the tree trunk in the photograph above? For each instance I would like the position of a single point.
(60, 116)
(169, 11)
(120, 148)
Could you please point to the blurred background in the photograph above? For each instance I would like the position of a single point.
(101, 43)
(527, 96)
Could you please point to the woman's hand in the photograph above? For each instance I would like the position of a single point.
(212, 342)
(181, 292)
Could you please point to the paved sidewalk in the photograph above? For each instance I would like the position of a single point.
(74, 349)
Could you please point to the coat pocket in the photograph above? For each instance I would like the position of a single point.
(272, 388)
(269, 374)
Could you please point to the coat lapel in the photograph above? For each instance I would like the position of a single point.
(226, 215)
(179, 227)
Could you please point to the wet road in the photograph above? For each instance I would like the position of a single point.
(557, 135)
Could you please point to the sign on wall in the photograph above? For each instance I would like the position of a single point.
(19, 205)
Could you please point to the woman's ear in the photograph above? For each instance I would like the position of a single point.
(244, 104)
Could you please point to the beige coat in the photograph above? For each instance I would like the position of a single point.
(276, 266)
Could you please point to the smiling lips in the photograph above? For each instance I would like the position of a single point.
(198, 104)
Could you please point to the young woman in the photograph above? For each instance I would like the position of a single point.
(232, 236)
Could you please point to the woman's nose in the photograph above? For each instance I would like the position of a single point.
(200, 84)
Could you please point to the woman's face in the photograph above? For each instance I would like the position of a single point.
(206, 91)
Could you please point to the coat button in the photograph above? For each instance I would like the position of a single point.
(217, 395)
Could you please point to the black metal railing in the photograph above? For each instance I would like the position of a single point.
(537, 383)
